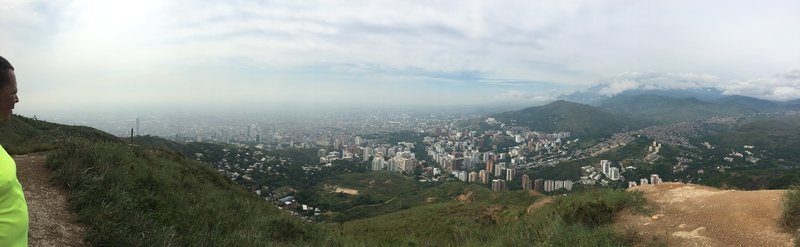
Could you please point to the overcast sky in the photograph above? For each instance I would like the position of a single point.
(223, 54)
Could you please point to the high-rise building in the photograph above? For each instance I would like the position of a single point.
(510, 174)
(655, 179)
(377, 163)
(498, 185)
(605, 167)
(527, 184)
(484, 176)
(462, 175)
(367, 153)
(549, 185)
(538, 185)
(498, 169)
(614, 174)
(490, 166)
(473, 177)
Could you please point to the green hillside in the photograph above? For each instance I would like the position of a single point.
(662, 109)
(133, 196)
(580, 119)
(579, 219)
(744, 102)
(780, 135)
(136, 196)
(24, 135)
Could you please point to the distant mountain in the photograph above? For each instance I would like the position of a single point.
(592, 96)
(793, 105)
(663, 109)
(580, 119)
(745, 102)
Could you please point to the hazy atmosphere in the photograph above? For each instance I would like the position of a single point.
(223, 55)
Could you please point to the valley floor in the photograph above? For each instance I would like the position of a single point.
(51, 222)
(694, 215)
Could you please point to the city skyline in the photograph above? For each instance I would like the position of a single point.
(101, 55)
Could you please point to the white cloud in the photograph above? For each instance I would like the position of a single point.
(523, 97)
(653, 80)
(77, 46)
(780, 87)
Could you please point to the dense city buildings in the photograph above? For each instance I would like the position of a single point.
(433, 146)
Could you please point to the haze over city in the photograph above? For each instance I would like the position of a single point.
(84, 56)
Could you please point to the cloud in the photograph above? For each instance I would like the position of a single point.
(463, 49)
(523, 97)
(781, 87)
(653, 81)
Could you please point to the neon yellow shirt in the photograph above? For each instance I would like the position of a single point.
(13, 209)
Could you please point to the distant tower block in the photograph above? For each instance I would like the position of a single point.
(137, 126)
(655, 179)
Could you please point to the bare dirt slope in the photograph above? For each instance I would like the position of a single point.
(51, 223)
(694, 215)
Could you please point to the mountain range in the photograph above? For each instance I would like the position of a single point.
(601, 116)
(562, 115)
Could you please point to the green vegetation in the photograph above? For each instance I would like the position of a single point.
(790, 216)
(579, 219)
(662, 109)
(133, 196)
(24, 135)
(384, 192)
(776, 143)
(581, 120)
(778, 134)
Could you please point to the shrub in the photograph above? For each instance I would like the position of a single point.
(790, 217)
(131, 196)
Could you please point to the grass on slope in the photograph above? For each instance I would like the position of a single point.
(24, 135)
(579, 219)
(790, 217)
(132, 196)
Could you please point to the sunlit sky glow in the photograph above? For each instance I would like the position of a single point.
(230, 54)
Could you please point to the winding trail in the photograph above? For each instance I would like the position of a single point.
(51, 222)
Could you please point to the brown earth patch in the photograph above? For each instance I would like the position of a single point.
(466, 197)
(51, 223)
(694, 215)
(538, 204)
(534, 193)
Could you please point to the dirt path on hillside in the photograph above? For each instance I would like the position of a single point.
(693, 215)
(51, 224)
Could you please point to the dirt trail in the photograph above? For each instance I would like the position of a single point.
(51, 224)
(694, 215)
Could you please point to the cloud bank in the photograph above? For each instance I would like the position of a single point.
(160, 53)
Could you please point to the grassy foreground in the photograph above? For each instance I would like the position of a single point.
(580, 219)
(130, 196)
(790, 217)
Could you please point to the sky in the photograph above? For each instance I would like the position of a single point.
(225, 55)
